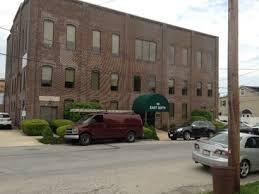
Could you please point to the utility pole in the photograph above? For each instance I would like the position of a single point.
(233, 93)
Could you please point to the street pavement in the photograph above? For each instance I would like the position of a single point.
(150, 167)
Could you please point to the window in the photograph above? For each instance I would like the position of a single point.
(71, 37)
(145, 50)
(171, 55)
(209, 90)
(114, 105)
(185, 56)
(114, 82)
(137, 83)
(48, 33)
(46, 76)
(185, 88)
(223, 102)
(67, 102)
(209, 61)
(152, 83)
(152, 51)
(138, 49)
(252, 142)
(115, 44)
(184, 111)
(96, 41)
(171, 110)
(69, 77)
(199, 59)
(199, 89)
(171, 86)
(98, 119)
(95, 80)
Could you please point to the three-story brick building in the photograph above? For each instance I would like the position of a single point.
(67, 50)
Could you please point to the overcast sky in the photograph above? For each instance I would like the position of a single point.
(208, 16)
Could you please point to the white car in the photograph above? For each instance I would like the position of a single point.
(214, 152)
(5, 121)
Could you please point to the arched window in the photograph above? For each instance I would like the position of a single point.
(46, 76)
(69, 77)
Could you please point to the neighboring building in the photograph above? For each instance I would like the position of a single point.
(2, 89)
(82, 52)
(249, 103)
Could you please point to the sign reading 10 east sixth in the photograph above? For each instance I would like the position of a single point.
(157, 107)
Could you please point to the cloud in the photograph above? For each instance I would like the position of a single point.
(208, 16)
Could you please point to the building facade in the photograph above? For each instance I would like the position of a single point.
(248, 102)
(69, 50)
(2, 89)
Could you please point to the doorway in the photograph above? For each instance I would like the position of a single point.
(48, 113)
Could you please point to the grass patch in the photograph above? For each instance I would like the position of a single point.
(251, 188)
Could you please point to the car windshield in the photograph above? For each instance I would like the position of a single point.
(85, 119)
(221, 138)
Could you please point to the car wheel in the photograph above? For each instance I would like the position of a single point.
(173, 138)
(187, 135)
(84, 139)
(131, 137)
(244, 168)
(210, 134)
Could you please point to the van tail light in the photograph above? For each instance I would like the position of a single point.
(196, 146)
(221, 153)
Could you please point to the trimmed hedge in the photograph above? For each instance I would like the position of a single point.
(48, 137)
(150, 132)
(202, 113)
(74, 116)
(61, 131)
(198, 118)
(60, 123)
(219, 125)
(34, 127)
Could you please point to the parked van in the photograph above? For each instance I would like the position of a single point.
(106, 126)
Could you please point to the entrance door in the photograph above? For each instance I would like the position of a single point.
(48, 113)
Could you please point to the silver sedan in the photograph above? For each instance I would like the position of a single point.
(214, 152)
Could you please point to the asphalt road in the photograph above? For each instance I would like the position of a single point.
(111, 168)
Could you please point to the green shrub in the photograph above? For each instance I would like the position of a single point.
(150, 132)
(219, 125)
(48, 137)
(34, 127)
(59, 123)
(47, 134)
(62, 130)
(202, 113)
(74, 116)
(198, 118)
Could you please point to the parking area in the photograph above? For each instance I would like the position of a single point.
(14, 137)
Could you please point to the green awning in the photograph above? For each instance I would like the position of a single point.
(150, 103)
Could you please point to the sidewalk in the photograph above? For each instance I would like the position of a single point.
(163, 136)
(12, 138)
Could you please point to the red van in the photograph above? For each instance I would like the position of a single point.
(106, 126)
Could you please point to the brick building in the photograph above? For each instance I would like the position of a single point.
(77, 51)
(2, 89)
